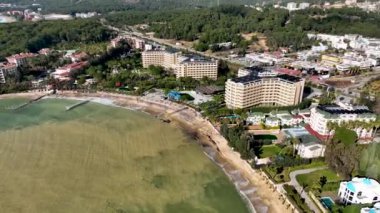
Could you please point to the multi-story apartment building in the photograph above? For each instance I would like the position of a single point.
(20, 59)
(162, 58)
(180, 65)
(251, 90)
(197, 69)
(323, 114)
(359, 191)
(6, 69)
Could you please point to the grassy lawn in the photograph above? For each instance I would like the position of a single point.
(270, 151)
(312, 180)
(285, 174)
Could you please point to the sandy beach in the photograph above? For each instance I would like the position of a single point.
(253, 185)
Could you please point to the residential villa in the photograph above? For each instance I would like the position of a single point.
(310, 149)
(255, 118)
(63, 73)
(359, 191)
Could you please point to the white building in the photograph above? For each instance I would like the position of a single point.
(359, 191)
(272, 122)
(350, 2)
(375, 209)
(304, 5)
(255, 118)
(181, 66)
(323, 114)
(310, 150)
(291, 6)
(256, 71)
(319, 48)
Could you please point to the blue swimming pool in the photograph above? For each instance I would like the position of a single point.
(327, 202)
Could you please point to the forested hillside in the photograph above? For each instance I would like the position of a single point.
(227, 23)
(27, 36)
(104, 6)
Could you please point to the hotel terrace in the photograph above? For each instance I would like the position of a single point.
(253, 90)
(181, 65)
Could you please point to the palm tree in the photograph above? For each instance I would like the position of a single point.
(295, 142)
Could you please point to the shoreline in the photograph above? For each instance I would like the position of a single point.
(255, 189)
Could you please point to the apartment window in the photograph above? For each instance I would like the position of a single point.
(359, 194)
(375, 199)
(351, 193)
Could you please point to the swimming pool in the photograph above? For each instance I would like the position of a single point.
(327, 202)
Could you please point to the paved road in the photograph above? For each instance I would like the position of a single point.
(293, 182)
(134, 32)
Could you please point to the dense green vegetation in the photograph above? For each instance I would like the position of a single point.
(237, 139)
(338, 21)
(226, 23)
(370, 161)
(296, 199)
(219, 24)
(342, 153)
(115, 5)
(31, 37)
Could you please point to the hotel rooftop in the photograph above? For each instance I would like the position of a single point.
(249, 78)
(335, 109)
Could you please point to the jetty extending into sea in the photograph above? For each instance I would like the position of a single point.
(68, 108)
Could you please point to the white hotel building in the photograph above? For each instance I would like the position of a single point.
(181, 65)
(323, 114)
(252, 90)
(359, 191)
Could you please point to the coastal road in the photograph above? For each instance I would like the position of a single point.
(134, 32)
(298, 187)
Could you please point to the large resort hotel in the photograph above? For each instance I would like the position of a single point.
(257, 87)
(181, 65)
(342, 113)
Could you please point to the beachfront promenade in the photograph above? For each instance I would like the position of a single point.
(260, 191)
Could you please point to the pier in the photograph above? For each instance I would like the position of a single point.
(26, 103)
(68, 108)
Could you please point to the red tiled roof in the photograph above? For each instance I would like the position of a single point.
(73, 66)
(22, 55)
(316, 134)
(7, 65)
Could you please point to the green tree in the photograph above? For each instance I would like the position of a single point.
(322, 181)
